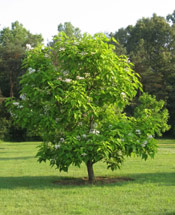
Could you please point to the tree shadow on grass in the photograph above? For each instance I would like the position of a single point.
(17, 158)
(169, 213)
(42, 182)
(160, 178)
(31, 182)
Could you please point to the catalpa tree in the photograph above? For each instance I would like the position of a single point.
(74, 94)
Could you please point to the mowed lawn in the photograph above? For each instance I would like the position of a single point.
(26, 187)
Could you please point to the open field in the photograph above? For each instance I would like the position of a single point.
(26, 187)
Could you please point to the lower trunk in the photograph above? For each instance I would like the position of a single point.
(91, 176)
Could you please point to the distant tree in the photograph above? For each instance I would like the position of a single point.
(69, 30)
(74, 95)
(171, 17)
(12, 51)
(119, 47)
(122, 35)
(150, 45)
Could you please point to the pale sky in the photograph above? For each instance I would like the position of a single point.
(92, 16)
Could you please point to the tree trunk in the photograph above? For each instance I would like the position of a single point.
(11, 85)
(91, 177)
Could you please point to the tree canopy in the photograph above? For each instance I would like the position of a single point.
(74, 94)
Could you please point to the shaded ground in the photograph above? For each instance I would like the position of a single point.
(98, 180)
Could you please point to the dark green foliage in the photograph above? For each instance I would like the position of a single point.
(13, 43)
(4, 121)
(150, 45)
(69, 30)
(9, 131)
(12, 51)
(171, 17)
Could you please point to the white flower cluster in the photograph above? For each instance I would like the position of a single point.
(94, 131)
(144, 143)
(61, 139)
(83, 53)
(65, 73)
(138, 131)
(67, 80)
(150, 136)
(23, 96)
(87, 74)
(12, 114)
(31, 70)
(84, 136)
(76, 43)
(62, 49)
(83, 154)
(78, 137)
(79, 78)
(46, 109)
(16, 103)
(128, 60)
(123, 95)
(28, 47)
(59, 144)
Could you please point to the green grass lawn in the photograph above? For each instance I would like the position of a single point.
(26, 187)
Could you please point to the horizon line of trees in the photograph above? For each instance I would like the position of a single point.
(149, 45)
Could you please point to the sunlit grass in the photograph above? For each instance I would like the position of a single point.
(26, 187)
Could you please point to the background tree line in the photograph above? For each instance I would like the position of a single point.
(150, 45)
(13, 43)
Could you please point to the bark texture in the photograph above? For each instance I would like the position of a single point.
(90, 170)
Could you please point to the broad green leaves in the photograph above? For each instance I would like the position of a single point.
(74, 94)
